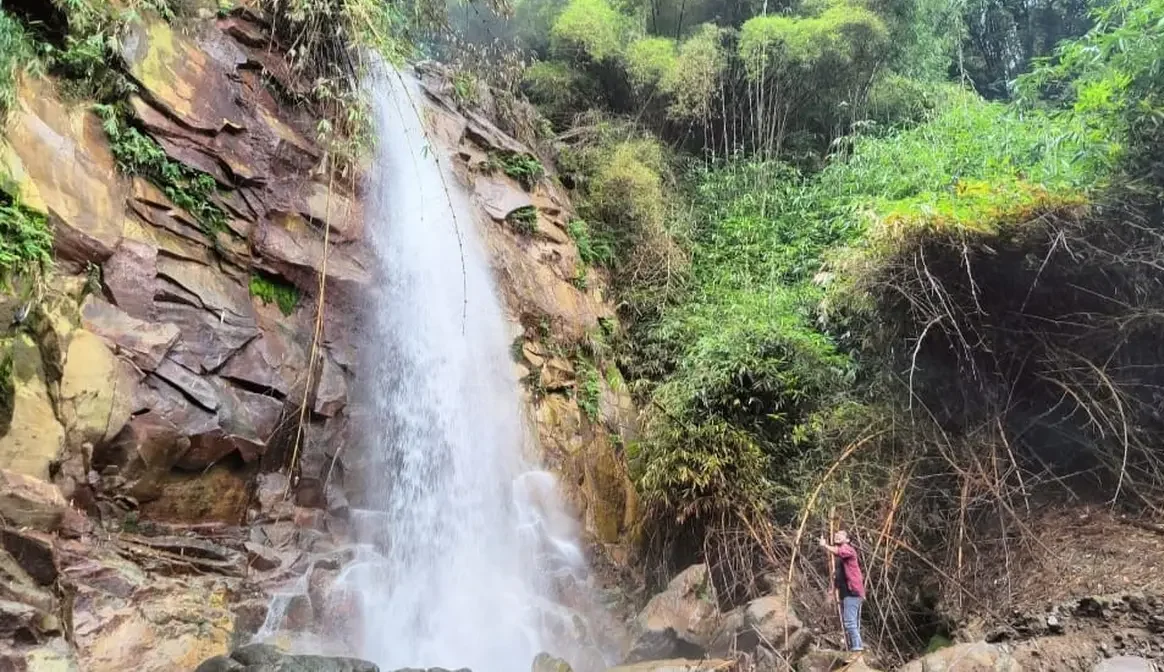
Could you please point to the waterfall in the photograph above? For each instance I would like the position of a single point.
(468, 535)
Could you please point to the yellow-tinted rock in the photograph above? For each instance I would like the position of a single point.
(34, 436)
(95, 396)
(180, 76)
(60, 163)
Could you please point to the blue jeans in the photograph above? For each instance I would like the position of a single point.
(851, 619)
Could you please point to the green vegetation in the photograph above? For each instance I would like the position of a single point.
(524, 220)
(592, 250)
(589, 391)
(17, 51)
(524, 168)
(272, 290)
(138, 154)
(848, 256)
(26, 242)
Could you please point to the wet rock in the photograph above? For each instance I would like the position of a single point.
(218, 493)
(181, 77)
(331, 393)
(294, 249)
(30, 502)
(52, 656)
(207, 339)
(35, 437)
(262, 558)
(33, 552)
(259, 364)
(544, 662)
(500, 197)
(267, 658)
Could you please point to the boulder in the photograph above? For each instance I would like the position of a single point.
(771, 622)
(35, 436)
(30, 502)
(544, 662)
(267, 658)
(973, 657)
(95, 398)
(683, 621)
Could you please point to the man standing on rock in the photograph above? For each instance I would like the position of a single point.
(850, 587)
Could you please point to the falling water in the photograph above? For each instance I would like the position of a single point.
(468, 534)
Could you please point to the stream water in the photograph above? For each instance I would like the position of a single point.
(467, 536)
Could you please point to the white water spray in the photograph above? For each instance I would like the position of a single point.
(474, 536)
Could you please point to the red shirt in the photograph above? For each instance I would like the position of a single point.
(850, 581)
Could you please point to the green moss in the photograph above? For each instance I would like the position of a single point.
(524, 220)
(270, 290)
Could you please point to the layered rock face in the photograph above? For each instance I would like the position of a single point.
(161, 373)
(146, 511)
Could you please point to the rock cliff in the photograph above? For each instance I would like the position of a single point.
(177, 440)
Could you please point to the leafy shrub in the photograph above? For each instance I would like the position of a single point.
(17, 51)
(593, 28)
(26, 242)
(271, 290)
(591, 249)
(524, 220)
(589, 391)
(650, 60)
(693, 83)
(138, 154)
(522, 167)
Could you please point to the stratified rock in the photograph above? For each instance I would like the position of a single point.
(267, 658)
(34, 437)
(294, 250)
(30, 502)
(125, 618)
(145, 342)
(60, 163)
(973, 657)
(130, 274)
(181, 77)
